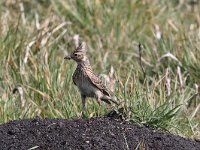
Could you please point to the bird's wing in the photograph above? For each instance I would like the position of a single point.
(96, 81)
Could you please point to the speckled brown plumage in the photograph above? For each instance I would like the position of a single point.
(88, 83)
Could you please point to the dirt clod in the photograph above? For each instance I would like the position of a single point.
(95, 133)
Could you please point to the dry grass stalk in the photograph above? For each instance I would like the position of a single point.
(76, 39)
(140, 47)
(110, 79)
(181, 84)
(170, 55)
(20, 90)
(157, 33)
(21, 6)
(167, 83)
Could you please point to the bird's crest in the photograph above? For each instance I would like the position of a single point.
(81, 47)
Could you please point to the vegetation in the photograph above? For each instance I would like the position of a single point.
(153, 47)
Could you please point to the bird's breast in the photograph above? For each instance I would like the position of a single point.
(84, 85)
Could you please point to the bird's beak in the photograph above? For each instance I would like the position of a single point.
(67, 57)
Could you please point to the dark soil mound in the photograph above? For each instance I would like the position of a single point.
(95, 133)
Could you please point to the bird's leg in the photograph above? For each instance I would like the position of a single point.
(83, 98)
(98, 97)
(99, 101)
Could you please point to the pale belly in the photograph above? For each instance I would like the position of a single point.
(87, 89)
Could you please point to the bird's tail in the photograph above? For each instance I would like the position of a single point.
(108, 100)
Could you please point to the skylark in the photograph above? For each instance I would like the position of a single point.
(88, 83)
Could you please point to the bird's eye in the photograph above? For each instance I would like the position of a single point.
(75, 54)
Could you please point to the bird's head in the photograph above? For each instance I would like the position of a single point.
(79, 55)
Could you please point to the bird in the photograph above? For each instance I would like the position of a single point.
(88, 83)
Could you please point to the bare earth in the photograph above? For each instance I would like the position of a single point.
(85, 134)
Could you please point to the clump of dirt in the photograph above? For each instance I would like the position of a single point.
(85, 134)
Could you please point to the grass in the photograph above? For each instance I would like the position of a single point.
(158, 83)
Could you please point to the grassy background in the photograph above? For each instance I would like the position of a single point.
(159, 84)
